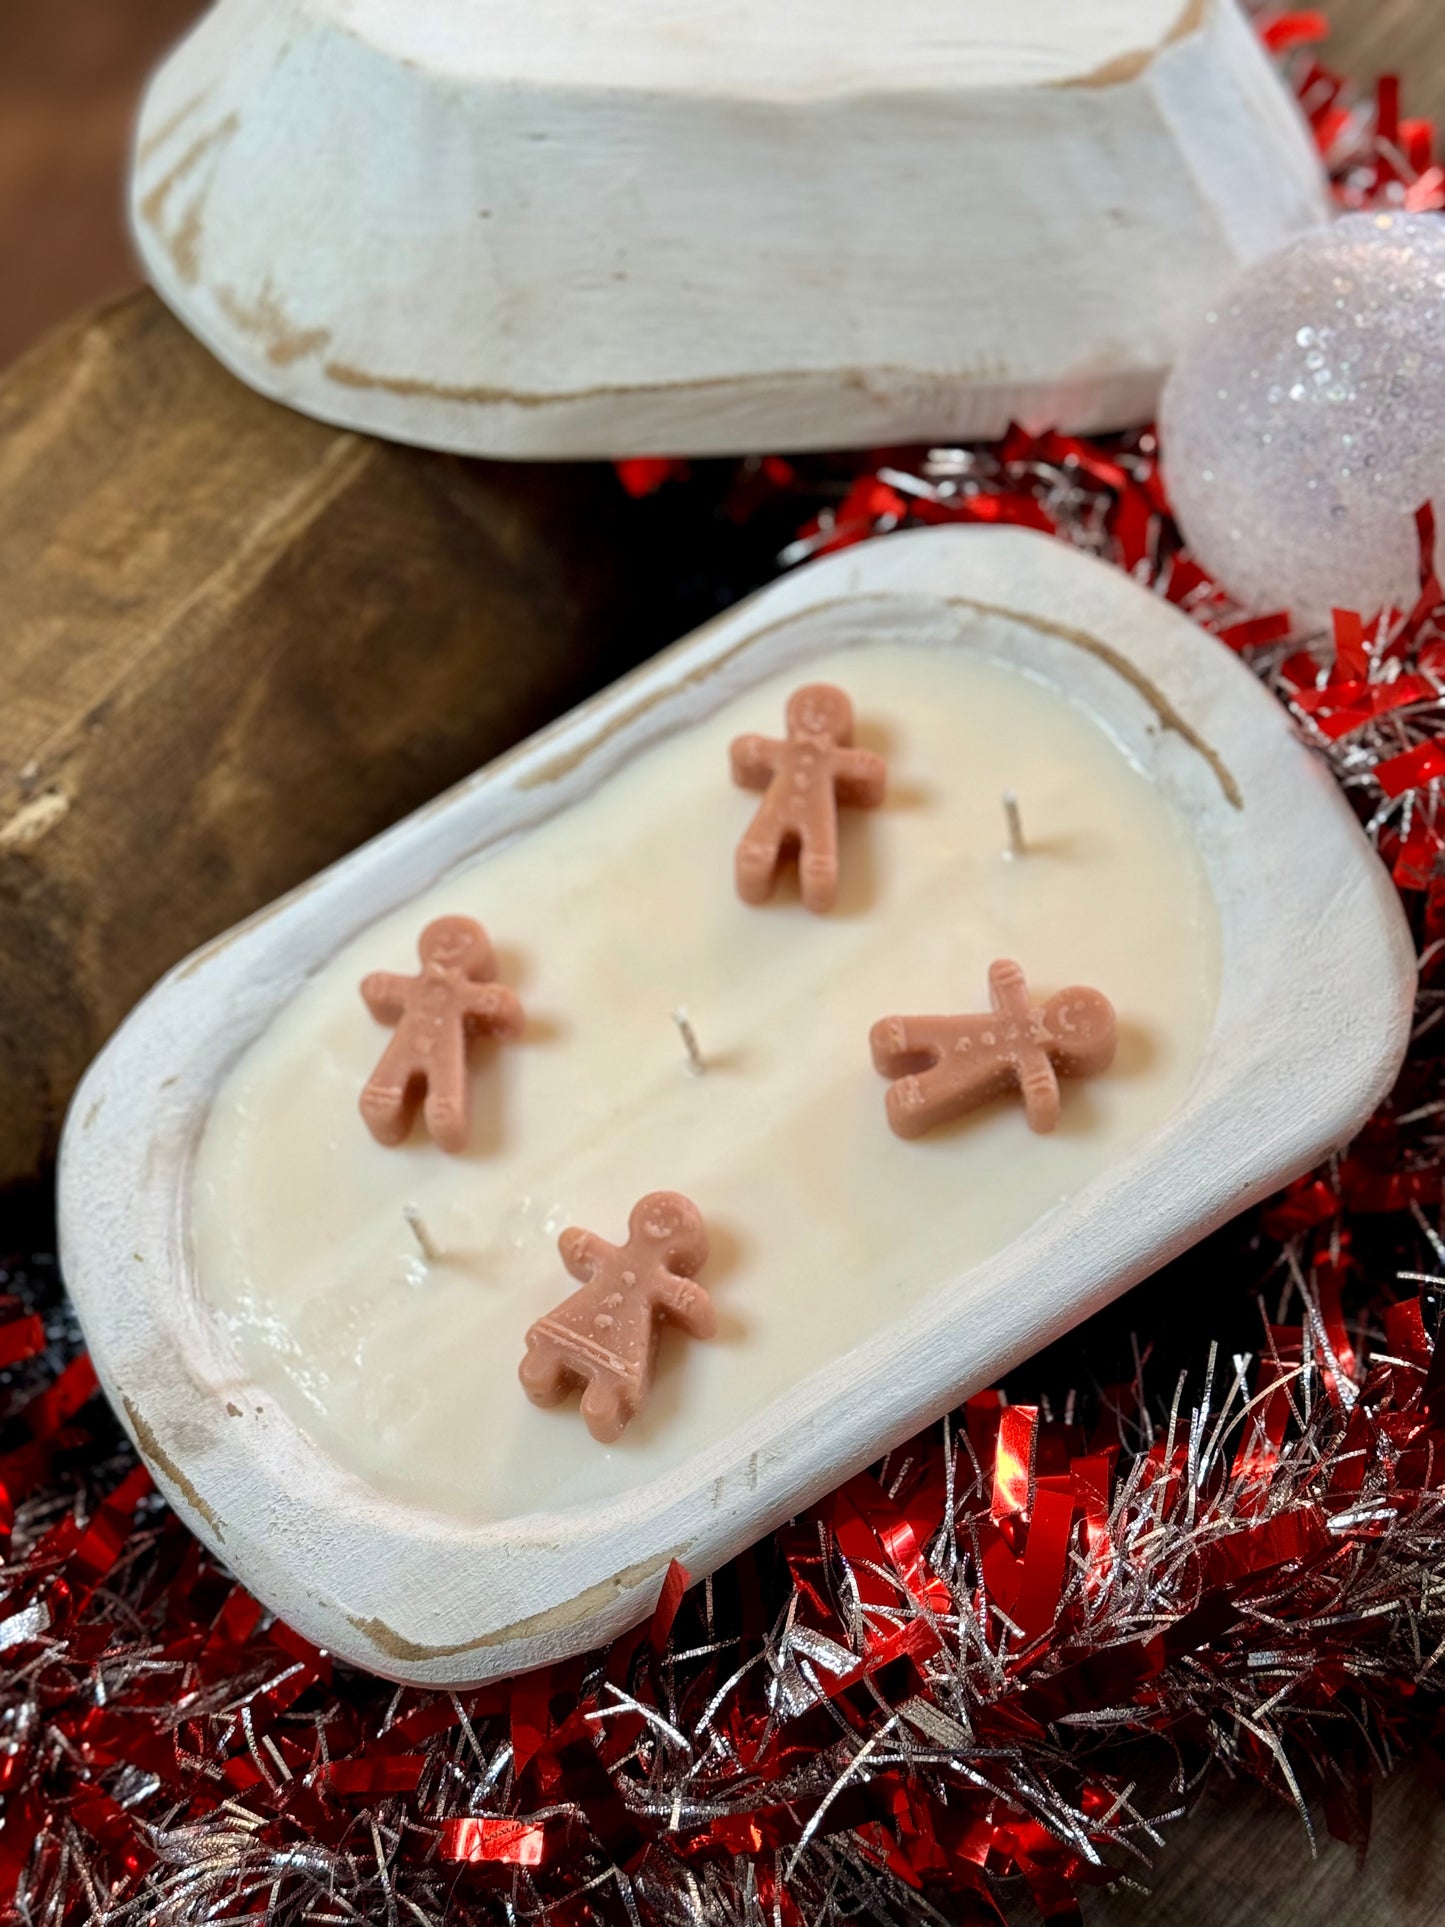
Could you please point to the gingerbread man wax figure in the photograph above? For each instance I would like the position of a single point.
(454, 998)
(944, 1066)
(805, 779)
(604, 1337)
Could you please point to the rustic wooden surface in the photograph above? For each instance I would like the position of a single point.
(1404, 37)
(69, 71)
(237, 643)
(1243, 1860)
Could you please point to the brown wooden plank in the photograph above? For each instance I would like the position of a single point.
(1403, 37)
(1243, 1860)
(70, 74)
(233, 644)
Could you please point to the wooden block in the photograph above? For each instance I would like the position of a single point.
(235, 644)
(69, 76)
(1243, 1859)
(1402, 37)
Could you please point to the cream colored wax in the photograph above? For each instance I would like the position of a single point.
(823, 1225)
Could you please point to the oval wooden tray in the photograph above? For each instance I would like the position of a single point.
(1298, 1058)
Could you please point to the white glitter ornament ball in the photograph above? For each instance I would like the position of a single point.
(1305, 424)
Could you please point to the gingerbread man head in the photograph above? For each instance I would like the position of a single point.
(675, 1226)
(818, 709)
(1082, 1032)
(457, 943)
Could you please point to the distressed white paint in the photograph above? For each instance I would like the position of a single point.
(1298, 1056)
(698, 226)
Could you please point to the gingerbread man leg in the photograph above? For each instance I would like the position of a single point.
(393, 1092)
(759, 856)
(818, 858)
(920, 1103)
(901, 1045)
(545, 1374)
(936, 1081)
(447, 1113)
(607, 1405)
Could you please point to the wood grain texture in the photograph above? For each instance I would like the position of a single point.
(235, 644)
(1404, 37)
(1242, 1859)
(70, 73)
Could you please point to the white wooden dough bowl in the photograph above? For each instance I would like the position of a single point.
(570, 228)
(1301, 1052)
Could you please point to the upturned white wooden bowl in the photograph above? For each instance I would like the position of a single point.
(1313, 1019)
(611, 227)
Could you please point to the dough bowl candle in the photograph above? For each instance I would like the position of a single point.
(763, 1261)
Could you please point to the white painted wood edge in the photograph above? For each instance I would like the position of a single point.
(1314, 1015)
(861, 239)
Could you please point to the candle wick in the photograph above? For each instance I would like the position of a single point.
(417, 1226)
(1016, 844)
(696, 1062)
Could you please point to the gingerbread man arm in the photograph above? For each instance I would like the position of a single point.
(1008, 991)
(583, 1253)
(386, 995)
(687, 1304)
(1032, 1069)
(860, 778)
(754, 761)
(495, 1009)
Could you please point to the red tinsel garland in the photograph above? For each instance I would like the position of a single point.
(1001, 1657)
